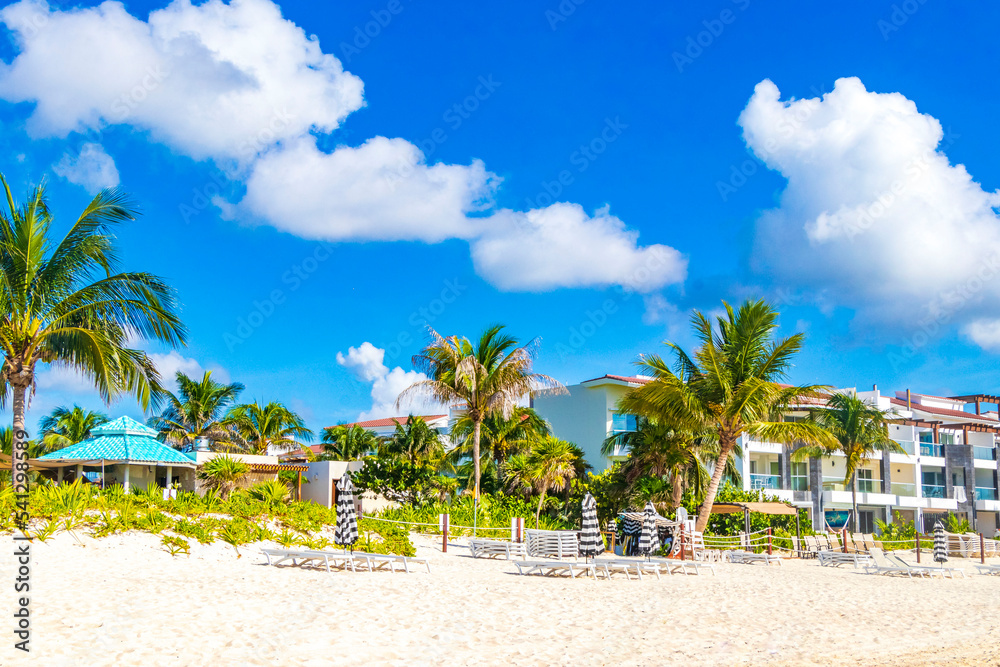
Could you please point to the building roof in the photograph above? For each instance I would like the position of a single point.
(944, 412)
(629, 379)
(393, 421)
(123, 439)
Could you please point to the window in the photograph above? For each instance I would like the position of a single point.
(622, 423)
(800, 476)
(866, 521)
(947, 438)
(866, 483)
(926, 436)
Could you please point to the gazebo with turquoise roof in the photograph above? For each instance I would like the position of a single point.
(124, 443)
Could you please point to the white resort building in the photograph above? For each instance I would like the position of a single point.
(950, 464)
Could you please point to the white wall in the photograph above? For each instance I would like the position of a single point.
(322, 475)
(581, 417)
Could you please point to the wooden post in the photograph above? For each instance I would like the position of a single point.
(682, 543)
(917, 540)
(298, 493)
(520, 529)
(443, 521)
(768, 540)
(982, 549)
(843, 537)
(798, 534)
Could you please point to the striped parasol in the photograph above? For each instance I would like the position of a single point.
(346, 532)
(940, 543)
(591, 543)
(649, 539)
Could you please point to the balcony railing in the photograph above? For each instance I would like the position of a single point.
(765, 481)
(931, 449)
(933, 491)
(985, 493)
(903, 489)
(983, 453)
(908, 446)
(833, 484)
(800, 483)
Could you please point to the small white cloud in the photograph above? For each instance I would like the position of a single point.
(63, 379)
(984, 333)
(365, 362)
(170, 363)
(561, 246)
(93, 169)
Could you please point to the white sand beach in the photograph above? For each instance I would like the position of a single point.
(122, 600)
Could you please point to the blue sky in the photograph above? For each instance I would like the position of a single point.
(260, 194)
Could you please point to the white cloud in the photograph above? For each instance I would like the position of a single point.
(93, 169)
(170, 363)
(874, 217)
(239, 84)
(214, 80)
(984, 333)
(561, 246)
(365, 362)
(381, 190)
(64, 379)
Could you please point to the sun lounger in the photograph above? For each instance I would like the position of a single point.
(553, 543)
(382, 561)
(628, 568)
(988, 569)
(989, 547)
(838, 558)
(494, 548)
(749, 558)
(682, 566)
(929, 570)
(547, 568)
(307, 555)
(881, 565)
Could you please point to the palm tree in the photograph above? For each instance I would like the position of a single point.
(224, 473)
(256, 427)
(414, 441)
(517, 474)
(65, 427)
(552, 464)
(348, 443)
(487, 378)
(197, 411)
(500, 437)
(66, 302)
(860, 431)
(657, 450)
(730, 387)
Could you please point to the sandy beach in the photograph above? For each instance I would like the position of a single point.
(123, 600)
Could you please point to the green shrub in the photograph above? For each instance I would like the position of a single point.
(176, 545)
(195, 530)
(270, 492)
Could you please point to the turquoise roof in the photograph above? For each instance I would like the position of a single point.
(123, 439)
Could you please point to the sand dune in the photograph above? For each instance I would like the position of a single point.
(122, 600)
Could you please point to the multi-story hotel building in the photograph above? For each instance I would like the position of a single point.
(949, 464)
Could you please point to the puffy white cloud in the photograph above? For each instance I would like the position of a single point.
(214, 80)
(93, 169)
(366, 363)
(64, 379)
(985, 333)
(381, 190)
(561, 246)
(170, 363)
(874, 216)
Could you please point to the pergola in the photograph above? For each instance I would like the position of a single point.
(124, 442)
(772, 508)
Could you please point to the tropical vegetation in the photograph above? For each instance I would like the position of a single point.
(65, 427)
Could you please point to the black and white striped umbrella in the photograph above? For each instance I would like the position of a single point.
(649, 539)
(940, 543)
(346, 532)
(591, 543)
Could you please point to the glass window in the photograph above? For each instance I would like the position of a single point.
(800, 476)
(620, 423)
(926, 436)
(866, 483)
(947, 438)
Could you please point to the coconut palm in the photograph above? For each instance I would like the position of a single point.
(65, 302)
(729, 387)
(414, 441)
(224, 473)
(500, 437)
(860, 431)
(655, 449)
(197, 410)
(348, 443)
(65, 427)
(488, 377)
(256, 428)
(551, 465)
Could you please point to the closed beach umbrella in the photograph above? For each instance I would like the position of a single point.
(649, 539)
(346, 532)
(591, 543)
(940, 543)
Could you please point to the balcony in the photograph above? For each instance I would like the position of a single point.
(933, 491)
(985, 493)
(834, 484)
(983, 453)
(931, 449)
(903, 489)
(765, 481)
(908, 446)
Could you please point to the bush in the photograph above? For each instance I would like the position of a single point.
(270, 492)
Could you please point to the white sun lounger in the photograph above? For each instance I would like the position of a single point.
(306, 555)
(628, 567)
(988, 569)
(749, 558)
(881, 565)
(555, 568)
(931, 570)
(493, 548)
(684, 566)
(838, 558)
(382, 561)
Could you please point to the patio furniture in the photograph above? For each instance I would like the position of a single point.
(881, 565)
(930, 570)
(307, 555)
(627, 567)
(552, 543)
(988, 569)
(382, 561)
(838, 558)
(749, 558)
(547, 568)
(493, 548)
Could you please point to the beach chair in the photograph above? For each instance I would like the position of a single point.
(957, 545)
(838, 558)
(308, 555)
(627, 567)
(834, 541)
(684, 566)
(482, 548)
(857, 543)
(552, 543)
(929, 570)
(988, 569)
(989, 547)
(547, 568)
(388, 561)
(881, 565)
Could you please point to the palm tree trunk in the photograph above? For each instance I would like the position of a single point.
(726, 444)
(19, 435)
(854, 500)
(676, 491)
(475, 455)
(541, 499)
